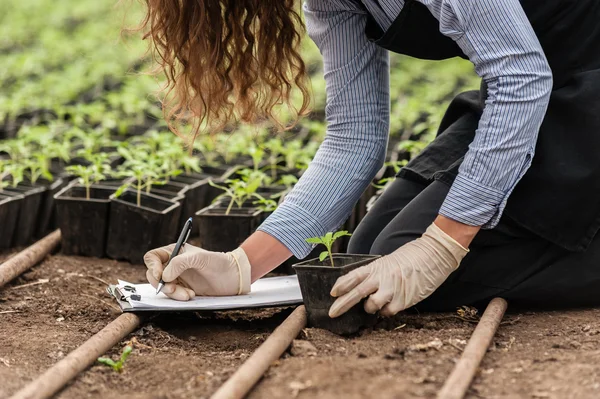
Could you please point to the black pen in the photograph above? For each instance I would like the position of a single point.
(183, 236)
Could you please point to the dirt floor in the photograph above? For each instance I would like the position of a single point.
(534, 355)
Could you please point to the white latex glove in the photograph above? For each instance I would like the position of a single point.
(196, 271)
(401, 279)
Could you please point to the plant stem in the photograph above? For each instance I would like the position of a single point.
(139, 193)
(330, 255)
(230, 205)
(87, 192)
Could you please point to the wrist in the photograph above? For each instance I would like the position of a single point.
(244, 270)
(459, 232)
(264, 253)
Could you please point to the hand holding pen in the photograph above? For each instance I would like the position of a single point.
(183, 236)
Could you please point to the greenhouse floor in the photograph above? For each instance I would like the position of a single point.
(534, 355)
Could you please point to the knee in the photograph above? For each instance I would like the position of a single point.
(386, 243)
(383, 246)
(361, 240)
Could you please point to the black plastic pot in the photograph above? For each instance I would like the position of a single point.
(200, 193)
(134, 230)
(222, 233)
(10, 206)
(83, 223)
(30, 210)
(47, 217)
(316, 279)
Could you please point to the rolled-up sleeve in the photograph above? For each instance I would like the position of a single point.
(357, 113)
(498, 38)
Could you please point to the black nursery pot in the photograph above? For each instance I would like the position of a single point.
(316, 279)
(83, 223)
(10, 206)
(134, 230)
(200, 193)
(30, 210)
(222, 233)
(47, 217)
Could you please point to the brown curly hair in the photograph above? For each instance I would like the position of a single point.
(227, 61)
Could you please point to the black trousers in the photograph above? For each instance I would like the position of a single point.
(507, 261)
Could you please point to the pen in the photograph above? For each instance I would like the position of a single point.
(183, 236)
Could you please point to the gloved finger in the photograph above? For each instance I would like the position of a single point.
(178, 265)
(156, 259)
(347, 282)
(378, 300)
(347, 301)
(392, 308)
(172, 290)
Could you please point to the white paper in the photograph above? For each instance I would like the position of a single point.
(271, 291)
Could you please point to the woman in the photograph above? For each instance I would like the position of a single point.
(448, 231)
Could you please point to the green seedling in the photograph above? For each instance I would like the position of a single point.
(288, 181)
(276, 149)
(239, 191)
(11, 174)
(91, 174)
(207, 147)
(247, 175)
(328, 239)
(257, 155)
(265, 205)
(37, 167)
(118, 365)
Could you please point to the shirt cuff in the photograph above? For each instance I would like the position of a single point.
(292, 225)
(473, 203)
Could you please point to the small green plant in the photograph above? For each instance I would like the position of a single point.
(265, 205)
(36, 167)
(328, 239)
(11, 174)
(118, 365)
(91, 174)
(239, 191)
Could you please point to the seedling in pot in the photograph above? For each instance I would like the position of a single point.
(239, 191)
(11, 174)
(37, 167)
(328, 239)
(118, 365)
(91, 174)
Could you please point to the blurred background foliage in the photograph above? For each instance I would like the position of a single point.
(68, 62)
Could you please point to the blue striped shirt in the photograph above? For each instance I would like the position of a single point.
(496, 36)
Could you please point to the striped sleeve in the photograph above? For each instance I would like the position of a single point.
(498, 38)
(357, 113)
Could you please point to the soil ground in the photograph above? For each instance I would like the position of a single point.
(534, 355)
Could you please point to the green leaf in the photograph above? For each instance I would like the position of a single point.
(323, 256)
(126, 352)
(121, 189)
(108, 362)
(314, 240)
(341, 233)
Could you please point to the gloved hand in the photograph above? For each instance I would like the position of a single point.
(401, 279)
(196, 271)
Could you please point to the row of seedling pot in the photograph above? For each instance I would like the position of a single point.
(124, 219)
(27, 211)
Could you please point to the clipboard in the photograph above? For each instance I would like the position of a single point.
(266, 292)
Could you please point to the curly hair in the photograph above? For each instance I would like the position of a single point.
(227, 61)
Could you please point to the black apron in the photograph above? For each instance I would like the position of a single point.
(559, 197)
